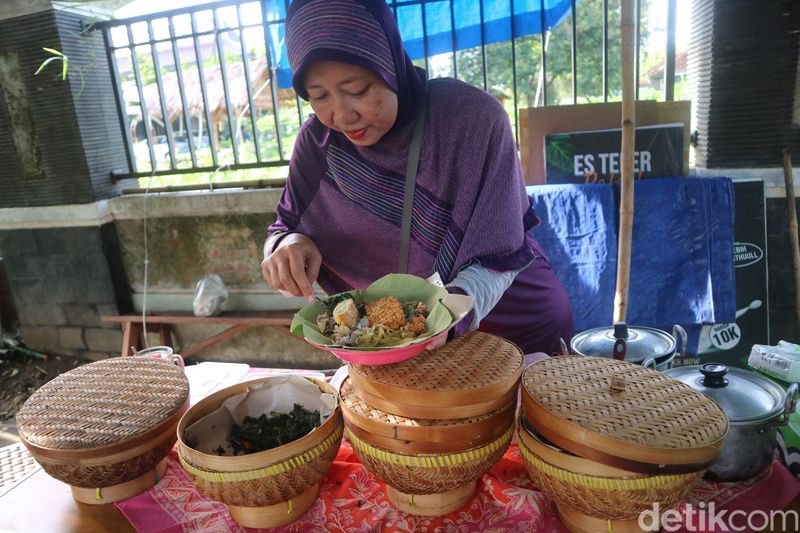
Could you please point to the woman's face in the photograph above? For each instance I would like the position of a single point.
(352, 100)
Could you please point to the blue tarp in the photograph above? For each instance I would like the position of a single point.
(682, 250)
(579, 237)
(497, 23)
(439, 19)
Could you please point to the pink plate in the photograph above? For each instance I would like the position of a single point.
(388, 356)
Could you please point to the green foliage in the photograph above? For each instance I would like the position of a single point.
(56, 56)
(265, 124)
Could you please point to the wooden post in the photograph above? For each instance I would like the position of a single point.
(793, 236)
(628, 137)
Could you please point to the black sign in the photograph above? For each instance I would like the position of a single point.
(594, 156)
(731, 343)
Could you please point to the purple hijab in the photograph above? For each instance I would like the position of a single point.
(361, 32)
(470, 204)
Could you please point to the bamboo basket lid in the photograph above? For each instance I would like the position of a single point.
(463, 378)
(102, 404)
(405, 434)
(622, 414)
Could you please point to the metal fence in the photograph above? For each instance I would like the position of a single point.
(198, 89)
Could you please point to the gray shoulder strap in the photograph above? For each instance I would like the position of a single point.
(411, 180)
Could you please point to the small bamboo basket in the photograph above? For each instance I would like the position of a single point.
(405, 435)
(269, 488)
(470, 376)
(106, 428)
(593, 497)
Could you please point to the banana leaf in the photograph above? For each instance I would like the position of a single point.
(404, 287)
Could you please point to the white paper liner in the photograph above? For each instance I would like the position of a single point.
(276, 394)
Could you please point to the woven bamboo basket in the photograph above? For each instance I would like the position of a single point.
(269, 488)
(622, 414)
(470, 376)
(418, 435)
(106, 428)
(593, 497)
(429, 484)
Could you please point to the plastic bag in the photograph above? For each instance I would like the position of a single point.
(209, 295)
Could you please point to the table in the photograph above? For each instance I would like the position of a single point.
(351, 499)
(132, 327)
(38, 503)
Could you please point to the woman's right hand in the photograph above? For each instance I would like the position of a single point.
(293, 266)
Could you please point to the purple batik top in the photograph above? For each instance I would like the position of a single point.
(470, 203)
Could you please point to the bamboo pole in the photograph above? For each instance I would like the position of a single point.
(628, 137)
(793, 236)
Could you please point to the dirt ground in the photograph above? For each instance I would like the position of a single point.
(20, 376)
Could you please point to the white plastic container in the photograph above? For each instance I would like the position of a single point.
(781, 361)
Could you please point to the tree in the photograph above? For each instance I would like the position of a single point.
(527, 50)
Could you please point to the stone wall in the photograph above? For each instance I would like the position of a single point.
(60, 282)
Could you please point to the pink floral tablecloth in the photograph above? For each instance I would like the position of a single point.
(352, 500)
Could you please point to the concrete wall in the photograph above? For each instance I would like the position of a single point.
(192, 235)
(68, 265)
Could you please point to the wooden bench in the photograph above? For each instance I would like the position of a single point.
(132, 327)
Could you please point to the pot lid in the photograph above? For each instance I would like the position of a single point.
(744, 396)
(622, 414)
(640, 342)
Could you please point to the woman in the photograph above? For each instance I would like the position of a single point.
(340, 216)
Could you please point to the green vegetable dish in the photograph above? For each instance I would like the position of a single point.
(267, 432)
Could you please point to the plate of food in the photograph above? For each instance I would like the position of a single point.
(396, 318)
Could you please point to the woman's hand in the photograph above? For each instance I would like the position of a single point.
(293, 266)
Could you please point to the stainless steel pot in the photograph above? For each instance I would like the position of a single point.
(755, 406)
(649, 347)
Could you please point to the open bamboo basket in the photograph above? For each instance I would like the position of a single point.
(106, 428)
(606, 439)
(429, 427)
(269, 488)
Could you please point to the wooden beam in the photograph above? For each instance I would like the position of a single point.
(230, 332)
(130, 337)
(265, 318)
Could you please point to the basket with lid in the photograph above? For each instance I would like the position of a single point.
(470, 376)
(429, 427)
(591, 496)
(430, 466)
(275, 486)
(105, 428)
(623, 428)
